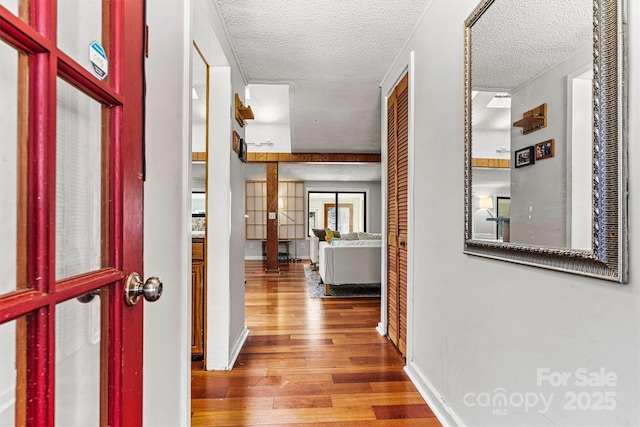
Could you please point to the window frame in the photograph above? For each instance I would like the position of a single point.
(336, 202)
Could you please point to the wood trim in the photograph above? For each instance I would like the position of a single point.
(21, 235)
(490, 163)
(199, 156)
(105, 196)
(272, 224)
(312, 157)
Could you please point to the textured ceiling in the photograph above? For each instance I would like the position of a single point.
(515, 41)
(332, 53)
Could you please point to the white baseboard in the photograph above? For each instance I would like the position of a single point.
(237, 347)
(380, 329)
(436, 402)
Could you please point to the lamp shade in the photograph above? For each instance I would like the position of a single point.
(486, 203)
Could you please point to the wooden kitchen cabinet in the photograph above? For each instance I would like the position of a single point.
(198, 291)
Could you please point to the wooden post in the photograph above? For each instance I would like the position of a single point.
(272, 218)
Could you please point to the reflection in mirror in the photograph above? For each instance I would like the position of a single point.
(509, 81)
(542, 171)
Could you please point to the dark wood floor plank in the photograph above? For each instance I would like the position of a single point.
(308, 362)
(290, 402)
(396, 412)
(369, 377)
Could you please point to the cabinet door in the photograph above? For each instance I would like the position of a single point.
(197, 309)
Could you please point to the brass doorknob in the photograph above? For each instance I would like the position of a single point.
(151, 289)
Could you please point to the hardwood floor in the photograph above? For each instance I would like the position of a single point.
(308, 362)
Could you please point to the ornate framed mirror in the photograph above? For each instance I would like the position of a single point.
(545, 128)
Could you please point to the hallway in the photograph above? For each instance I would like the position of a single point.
(316, 362)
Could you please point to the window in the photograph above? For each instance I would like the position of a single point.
(348, 218)
(256, 206)
(290, 210)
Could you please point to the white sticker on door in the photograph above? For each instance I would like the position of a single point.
(98, 58)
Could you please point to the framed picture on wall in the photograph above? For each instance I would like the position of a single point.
(545, 149)
(235, 142)
(525, 157)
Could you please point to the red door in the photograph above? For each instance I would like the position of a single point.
(71, 160)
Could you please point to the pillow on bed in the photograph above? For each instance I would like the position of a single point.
(332, 233)
(349, 236)
(369, 236)
(353, 243)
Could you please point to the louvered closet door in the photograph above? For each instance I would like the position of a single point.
(397, 205)
(392, 222)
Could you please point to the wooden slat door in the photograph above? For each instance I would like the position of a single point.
(397, 207)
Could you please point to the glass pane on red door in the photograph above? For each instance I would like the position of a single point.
(79, 24)
(79, 216)
(78, 361)
(12, 367)
(17, 7)
(12, 210)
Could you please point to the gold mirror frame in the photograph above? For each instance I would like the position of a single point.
(608, 258)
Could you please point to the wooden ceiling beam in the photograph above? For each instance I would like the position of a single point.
(490, 163)
(312, 157)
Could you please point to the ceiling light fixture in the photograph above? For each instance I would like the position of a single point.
(259, 143)
(500, 100)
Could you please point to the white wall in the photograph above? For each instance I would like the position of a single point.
(579, 137)
(488, 141)
(167, 205)
(199, 138)
(477, 325)
(167, 222)
(224, 318)
(278, 134)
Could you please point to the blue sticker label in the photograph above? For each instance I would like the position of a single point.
(98, 58)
